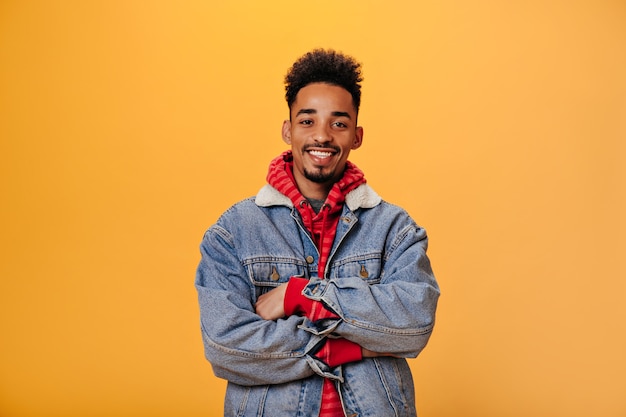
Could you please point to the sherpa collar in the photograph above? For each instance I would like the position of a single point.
(361, 197)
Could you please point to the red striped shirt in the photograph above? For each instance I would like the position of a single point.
(322, 226)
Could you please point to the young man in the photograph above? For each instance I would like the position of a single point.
(314, 292)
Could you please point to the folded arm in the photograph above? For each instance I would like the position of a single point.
(395, 316)
(241, 346)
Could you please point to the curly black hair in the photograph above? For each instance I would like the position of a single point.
(324, 66)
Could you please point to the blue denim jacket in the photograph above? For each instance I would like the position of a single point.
(378, 280)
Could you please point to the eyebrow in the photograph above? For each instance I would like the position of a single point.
(335, 113)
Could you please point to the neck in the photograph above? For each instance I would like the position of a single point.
(313, 190)
(318, 194)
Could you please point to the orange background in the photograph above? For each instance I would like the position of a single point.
(127, 127)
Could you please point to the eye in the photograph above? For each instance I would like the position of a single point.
(340, 124)
(306, 122)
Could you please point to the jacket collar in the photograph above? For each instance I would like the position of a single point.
(361, 197)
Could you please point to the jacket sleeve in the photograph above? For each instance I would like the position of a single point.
(333, 352)
(395, 316)
(241, 346)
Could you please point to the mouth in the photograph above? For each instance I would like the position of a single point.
(321, 154)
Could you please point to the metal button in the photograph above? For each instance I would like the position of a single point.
(310, 259)
(275, 276)
(363, 272)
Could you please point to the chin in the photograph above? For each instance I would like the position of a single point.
(319, 177)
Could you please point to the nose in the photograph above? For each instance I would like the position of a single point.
(322, 134)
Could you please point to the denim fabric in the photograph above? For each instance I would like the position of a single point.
(378, 280)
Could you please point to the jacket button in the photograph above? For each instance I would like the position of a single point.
(363, 273)
(310, 259)
(275, 276)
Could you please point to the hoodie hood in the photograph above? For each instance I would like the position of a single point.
(322, 226)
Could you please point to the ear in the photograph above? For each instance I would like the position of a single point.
(358, 138)
(286, 132)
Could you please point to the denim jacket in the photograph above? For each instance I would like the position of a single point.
(378, 280)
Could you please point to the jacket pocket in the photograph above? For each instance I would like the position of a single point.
(367, 267)
(267, 273)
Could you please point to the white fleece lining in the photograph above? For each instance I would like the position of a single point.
(361, 197)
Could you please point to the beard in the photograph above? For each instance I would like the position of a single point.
(319, 176)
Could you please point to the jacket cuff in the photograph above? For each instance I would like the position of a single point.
(295, 302)
(336, 352)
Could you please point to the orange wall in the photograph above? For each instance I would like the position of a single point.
(127, 127)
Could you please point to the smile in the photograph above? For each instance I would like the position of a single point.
(321, 154)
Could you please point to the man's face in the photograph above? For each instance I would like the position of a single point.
(322, 132)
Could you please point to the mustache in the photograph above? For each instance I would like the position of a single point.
(320, 146)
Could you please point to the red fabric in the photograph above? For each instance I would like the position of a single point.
(339, 351)
(335, 351)
(323, 227)
(296, 303)
(331, 402)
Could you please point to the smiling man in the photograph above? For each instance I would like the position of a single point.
(314, 292)
(322, 131)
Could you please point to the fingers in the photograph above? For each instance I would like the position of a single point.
(271, 305)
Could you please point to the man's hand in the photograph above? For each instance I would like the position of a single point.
(271, 305)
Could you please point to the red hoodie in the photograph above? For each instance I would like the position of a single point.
(323, 227)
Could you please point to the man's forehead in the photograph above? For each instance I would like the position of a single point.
(314, 97)
(335, 113)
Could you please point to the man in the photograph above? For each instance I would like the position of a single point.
(313, 292)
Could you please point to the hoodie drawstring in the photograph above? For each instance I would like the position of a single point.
(325, 211)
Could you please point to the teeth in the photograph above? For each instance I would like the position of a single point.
(320, 154)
